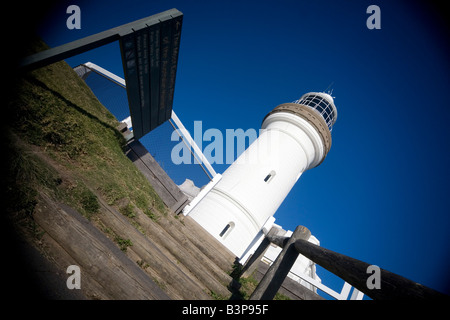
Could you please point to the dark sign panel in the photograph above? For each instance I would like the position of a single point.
(150, 56)
(149, 48)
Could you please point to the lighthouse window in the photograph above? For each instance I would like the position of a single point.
(321, 105)
(317, 100)
(269, 177)
(226, 231)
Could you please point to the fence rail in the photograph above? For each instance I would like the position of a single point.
(354, 272)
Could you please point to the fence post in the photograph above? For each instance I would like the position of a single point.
(355, 272)
(253, 261)
(274, 277)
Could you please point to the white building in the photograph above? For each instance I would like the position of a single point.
(238, 210)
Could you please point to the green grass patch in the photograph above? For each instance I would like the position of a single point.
(149, 213)
(123, 243)
(82, 198)
(55, 110)
(249, 284)
(128, 211)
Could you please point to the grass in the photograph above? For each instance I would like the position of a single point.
(64, 143)
(128, 210)
(25, 172)
(216, 296)
(55, 112)
(248, 284)
(149, 213)
(123, 243)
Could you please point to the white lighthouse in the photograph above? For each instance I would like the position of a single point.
(294, 137)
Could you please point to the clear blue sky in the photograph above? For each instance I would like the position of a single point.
(382, 194)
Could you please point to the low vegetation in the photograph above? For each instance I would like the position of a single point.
(63, 142)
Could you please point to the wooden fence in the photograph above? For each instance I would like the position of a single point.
(353, 271)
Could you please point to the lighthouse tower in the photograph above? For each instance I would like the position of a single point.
(294, 137)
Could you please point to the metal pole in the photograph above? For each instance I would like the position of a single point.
(70, 49)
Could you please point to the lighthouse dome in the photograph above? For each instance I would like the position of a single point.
(323, 104)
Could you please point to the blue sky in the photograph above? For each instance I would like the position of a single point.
(381, 195)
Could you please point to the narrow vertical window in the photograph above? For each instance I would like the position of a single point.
(269, 177)
(226, 231)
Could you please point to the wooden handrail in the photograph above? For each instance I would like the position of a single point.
(353, 271)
